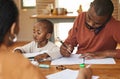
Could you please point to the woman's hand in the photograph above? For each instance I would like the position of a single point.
(84, 73)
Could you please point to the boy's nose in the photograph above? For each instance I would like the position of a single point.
(35, 34)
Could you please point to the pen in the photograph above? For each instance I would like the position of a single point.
(30, 57)
(64, 44)
(83, 60)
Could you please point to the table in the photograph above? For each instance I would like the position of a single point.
(105, 71)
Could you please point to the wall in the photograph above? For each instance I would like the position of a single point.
(26, 23)
(119, 11)
(116, 5)
(42, 4)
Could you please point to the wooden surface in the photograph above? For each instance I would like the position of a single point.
(16, 44)
(41, 16)
(106, 71)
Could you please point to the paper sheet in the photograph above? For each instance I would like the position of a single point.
(75, 59)
(66, 74)
(27, 55)
(31, 56)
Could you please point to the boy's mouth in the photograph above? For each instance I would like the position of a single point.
(35, 39)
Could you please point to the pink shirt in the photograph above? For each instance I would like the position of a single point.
(88, 41)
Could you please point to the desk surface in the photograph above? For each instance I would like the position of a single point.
(106, 71)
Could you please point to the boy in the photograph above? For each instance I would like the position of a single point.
(42, 31)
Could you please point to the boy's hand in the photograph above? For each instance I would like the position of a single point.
(41, 56)
(18, 51)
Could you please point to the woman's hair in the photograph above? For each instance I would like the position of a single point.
(103, 7)
(8, 15)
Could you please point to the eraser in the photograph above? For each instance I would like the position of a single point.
(44, 66)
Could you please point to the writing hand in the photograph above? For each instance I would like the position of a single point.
(66, 50)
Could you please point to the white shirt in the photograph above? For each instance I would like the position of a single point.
(51, 49)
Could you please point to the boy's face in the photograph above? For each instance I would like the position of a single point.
(40, 33)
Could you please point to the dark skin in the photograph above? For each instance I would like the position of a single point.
(84, 73)
(40, 35)
(94, 21)
(41, 56)
(66, 49)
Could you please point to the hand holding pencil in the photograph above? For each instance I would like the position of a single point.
(65, 49)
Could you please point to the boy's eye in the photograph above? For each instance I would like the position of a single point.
(33, 31)
(38, 32)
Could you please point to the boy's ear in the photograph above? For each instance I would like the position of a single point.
(12, 29)
(48, 35)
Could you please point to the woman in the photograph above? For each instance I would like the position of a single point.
(14, 65)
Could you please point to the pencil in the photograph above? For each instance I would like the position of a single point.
(64, 45)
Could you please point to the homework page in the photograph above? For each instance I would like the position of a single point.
(27, 55)
(66, 74)
(75, 59)
(31, 56)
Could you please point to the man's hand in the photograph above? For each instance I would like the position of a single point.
(98, 55)
(66, 50)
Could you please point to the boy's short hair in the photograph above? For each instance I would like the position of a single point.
(48, 24)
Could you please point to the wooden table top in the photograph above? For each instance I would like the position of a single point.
(105, 71)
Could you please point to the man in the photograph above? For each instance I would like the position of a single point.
(14, 65)
(95, 33)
